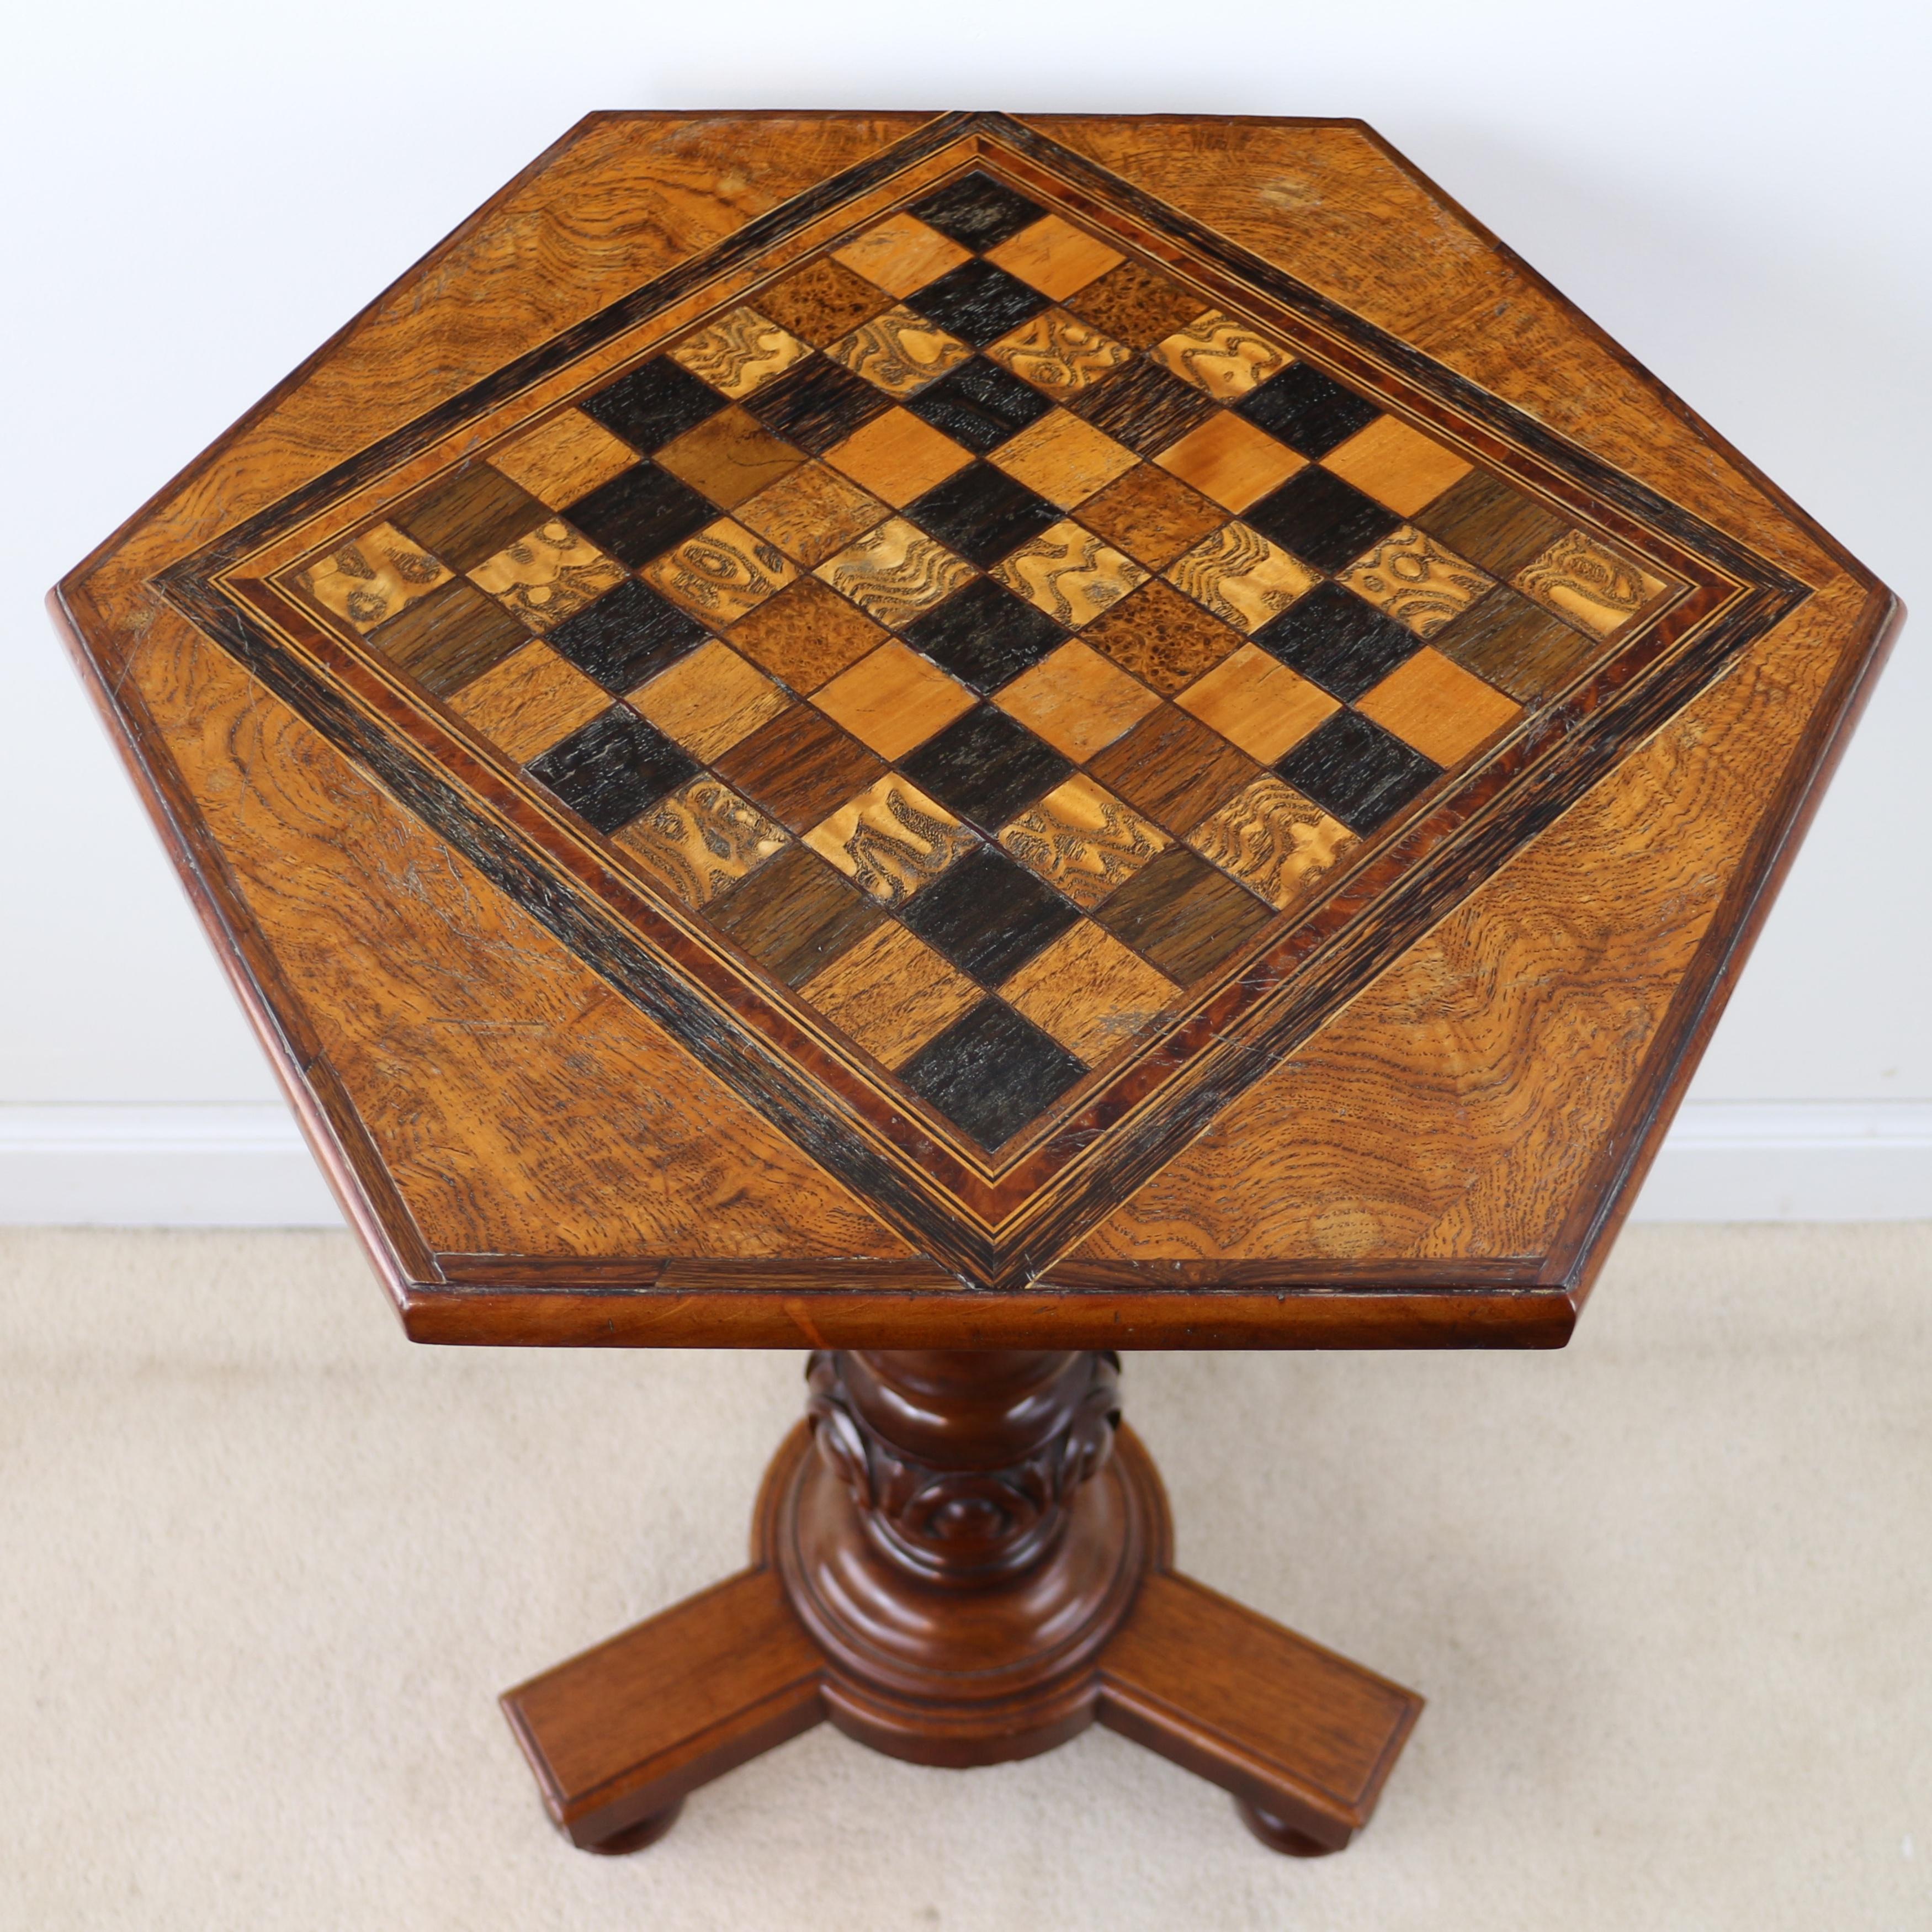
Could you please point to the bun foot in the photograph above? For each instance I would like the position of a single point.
(635, 1837)
(1279, 1836)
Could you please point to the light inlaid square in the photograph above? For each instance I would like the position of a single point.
(1230, 461)
(547, 574)
(1255, 702)
(371, 579)
(566, 457)
(702, 839)
(1054, 257)
(525, 704)
(1588, 584)
(1082, 839)
(1090, 992)
(1069, 573)
(1223, 358)
(1276, 842)
(729, 457)
(899, 352)
(898, 456)
(891, 993)
(1412, 578)
(1240, 577)
(710, 700)
(891, 839)
(1076, 700)
(740, 353)
(1434, 704)
(900, 254)
(812, 513)
(895, 571)
(1397, 465)
(722, 573)
(894, 699)
(1063, 459)
(1059, 353)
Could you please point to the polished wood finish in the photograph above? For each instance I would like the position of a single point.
(958, 1561)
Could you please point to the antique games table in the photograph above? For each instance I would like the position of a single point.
(971, 741)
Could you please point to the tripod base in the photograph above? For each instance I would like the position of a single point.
(959, 1665)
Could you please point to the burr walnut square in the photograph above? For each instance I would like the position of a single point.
(1231, 460)
(710, 700)
(722, 573)
(566, 457)
(822, 301)
(891, 840)
(1443, 711)
(891, 993)
(740, 353)
(1397, 465)
(1149, 515)
(1076, 700)
(898, 456)
(1254, 701)
(1137, 305)
(1063, 459)
(527, 703)
(701, 839)
(730, 457)
(806, 635)
(895, 571)
(1090, 992)
(894, 699)
(812, 513)
(1164, 639)
(1054, 257)
(1082, 840)
(1274, 841)
(1070, 574)
(900, 254)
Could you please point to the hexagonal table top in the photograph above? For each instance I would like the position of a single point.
(905, 730)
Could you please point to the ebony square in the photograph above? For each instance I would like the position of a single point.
(470, 515)
(817, 403)
(613, 768)
(977, 211)
(991, 1072)
(641, 513)
(1349, 766)
(1323, 521)
(629, 635)
(653, 404)
(982, 513)
(979, 405)
(977, 302)
(1337, 641)
(984, 635)
(988, 915)
(985, 767)
(1309, 412)
(1145, 407)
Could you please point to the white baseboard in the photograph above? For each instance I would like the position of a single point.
(246, 1166)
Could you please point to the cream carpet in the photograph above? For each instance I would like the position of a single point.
(263, 1568)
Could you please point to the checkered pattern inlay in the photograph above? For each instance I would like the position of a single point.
(986, 636)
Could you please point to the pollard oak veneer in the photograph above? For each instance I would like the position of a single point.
(971, 741)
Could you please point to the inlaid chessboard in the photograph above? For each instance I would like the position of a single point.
(984, 665)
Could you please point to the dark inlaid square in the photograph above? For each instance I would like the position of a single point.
(1307, 410)
(1338, 641)
(985, 767)
(990, 1072)
(1136, 305)
(979, 405)
(817, 404)
(1164, 639)
(627, 635)
(1185, 915)
(988, 915)
(795, 915)
(1482, 518)
(1323, 521)
(1143, 407)
(1350, 766)
(977, 211)
(1151, 515)
(1509, 642)
(984, 635)
(800, 766)
(822, 302)
(1174, 769)
(977, 302)
(449, 638)
(981, 514)
(613, 768)
(655, 402)
(470, 516)
(640, 513)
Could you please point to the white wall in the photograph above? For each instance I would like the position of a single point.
(201, 192)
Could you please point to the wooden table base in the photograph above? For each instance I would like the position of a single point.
(974, 1566)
